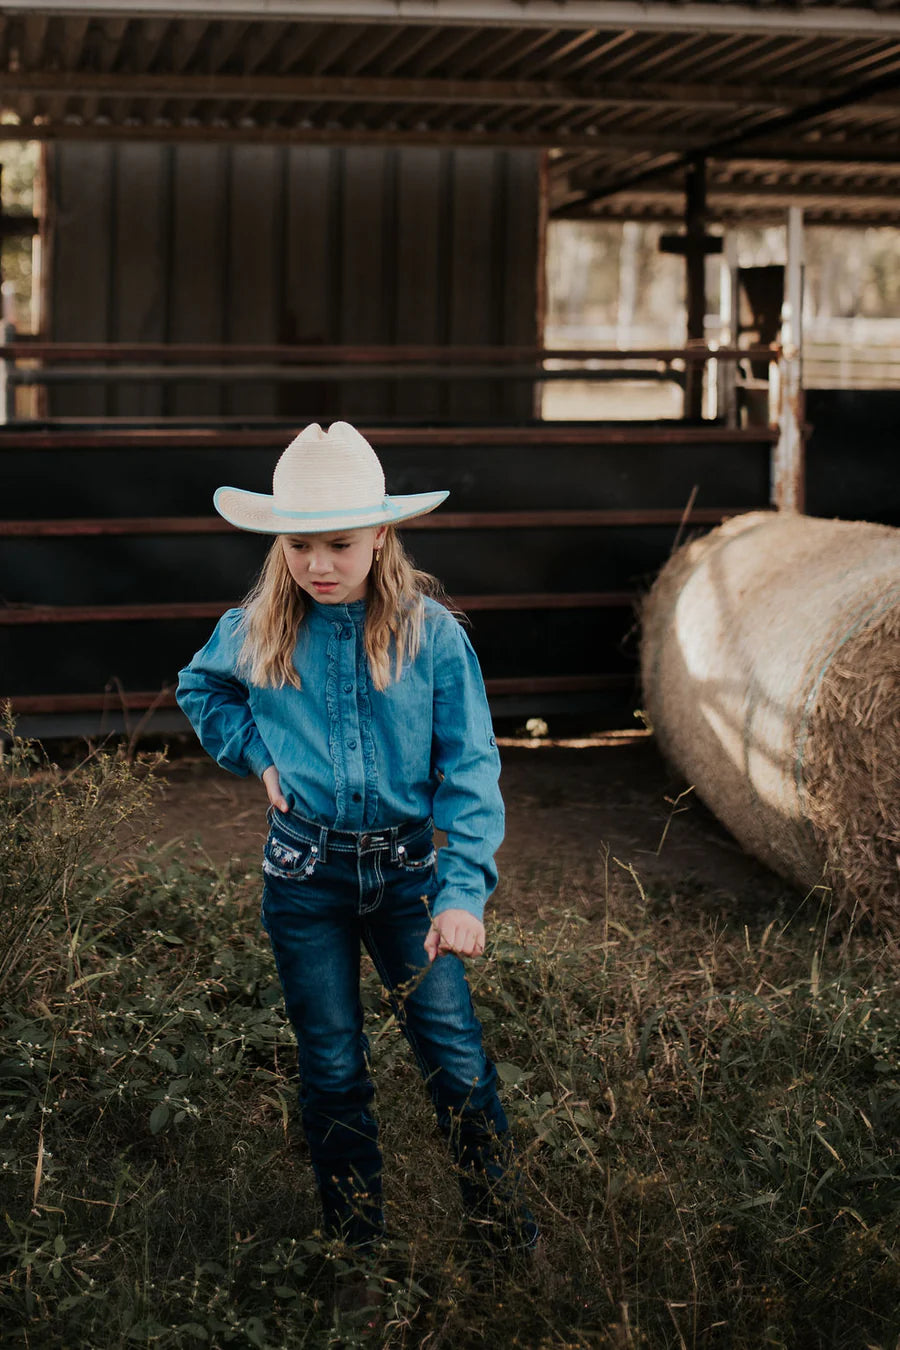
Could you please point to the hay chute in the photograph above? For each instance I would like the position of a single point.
(771, 671)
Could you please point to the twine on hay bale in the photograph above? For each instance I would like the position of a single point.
(770, 659)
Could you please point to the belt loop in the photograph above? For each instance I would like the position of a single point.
(323, 844)
(394, 829)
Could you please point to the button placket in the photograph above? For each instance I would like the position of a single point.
(350, 720)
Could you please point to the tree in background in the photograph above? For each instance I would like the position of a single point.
(20, 162)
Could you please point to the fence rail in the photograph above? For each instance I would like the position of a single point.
(34, 362)
(449, 520)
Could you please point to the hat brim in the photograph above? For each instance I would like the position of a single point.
(255, 511)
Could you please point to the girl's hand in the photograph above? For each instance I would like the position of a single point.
(273, 787)
(455, 930)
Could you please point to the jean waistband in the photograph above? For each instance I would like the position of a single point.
(324, 837)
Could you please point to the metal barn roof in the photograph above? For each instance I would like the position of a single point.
(794, 103)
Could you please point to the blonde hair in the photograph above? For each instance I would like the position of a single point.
(276, 606)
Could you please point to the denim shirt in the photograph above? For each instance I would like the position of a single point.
(353, 757)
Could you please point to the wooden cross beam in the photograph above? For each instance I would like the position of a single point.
(688, 243)
(694, 245)
(12, 227)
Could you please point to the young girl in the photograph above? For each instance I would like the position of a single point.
(357, 699)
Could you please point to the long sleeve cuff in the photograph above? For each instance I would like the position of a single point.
(257, 757)
(448, 898)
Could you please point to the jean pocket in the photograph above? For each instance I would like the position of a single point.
(294, 861)
(417, 856)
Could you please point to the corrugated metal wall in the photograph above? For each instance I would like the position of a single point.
(256, 243)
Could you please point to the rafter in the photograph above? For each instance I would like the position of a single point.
(368, 89)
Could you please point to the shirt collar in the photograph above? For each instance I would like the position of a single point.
(354, 612)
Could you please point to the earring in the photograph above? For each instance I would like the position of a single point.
(378, 555)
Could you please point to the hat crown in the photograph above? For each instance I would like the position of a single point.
(327, 471)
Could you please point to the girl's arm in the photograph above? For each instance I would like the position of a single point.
(217, 702)
(467, 803)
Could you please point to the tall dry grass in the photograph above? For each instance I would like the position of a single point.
(706, 1111)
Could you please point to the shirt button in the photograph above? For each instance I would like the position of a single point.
(348, 688)
(351, 745)
(346, 635)
(357, 796)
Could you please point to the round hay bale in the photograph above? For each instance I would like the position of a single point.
(770, 659)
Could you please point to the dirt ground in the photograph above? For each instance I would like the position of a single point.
(584, 820)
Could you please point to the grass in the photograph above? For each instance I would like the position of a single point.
(707, 1114)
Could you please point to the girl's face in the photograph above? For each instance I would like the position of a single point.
(333, 568)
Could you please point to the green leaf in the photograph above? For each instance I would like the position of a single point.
(159, 1117)
(511, 1074)
(255, 1332)
(162, 1056)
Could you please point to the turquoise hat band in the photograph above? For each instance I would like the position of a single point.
(384, 505)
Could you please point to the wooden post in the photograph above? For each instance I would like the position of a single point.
(695, 269)
(788, 467)
(694, 245)
(726, 374)
(7, 388)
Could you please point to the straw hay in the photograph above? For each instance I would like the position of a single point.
(771, 669)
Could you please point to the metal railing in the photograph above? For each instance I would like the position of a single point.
(33, 362)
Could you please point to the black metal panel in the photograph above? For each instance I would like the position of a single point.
(852, 455)
(127, 569)
(181, 481)
(122, 569)
(87, 657)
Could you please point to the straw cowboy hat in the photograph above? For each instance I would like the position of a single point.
(324, 481)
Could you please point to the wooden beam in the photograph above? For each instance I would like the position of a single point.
(826, 148)
(114, 700)
(32, 349)
(261, 132)
(144, 374)
(529, 93)
(735, 211)
(546, 436)
(170, 611)
(30, 615)
(12, 226)
(444, 520)
(601, 139)
(556, 684)
(846, 155)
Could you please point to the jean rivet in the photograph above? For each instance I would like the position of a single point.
(314, 848)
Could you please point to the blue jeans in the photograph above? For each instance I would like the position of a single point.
(325, 892)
